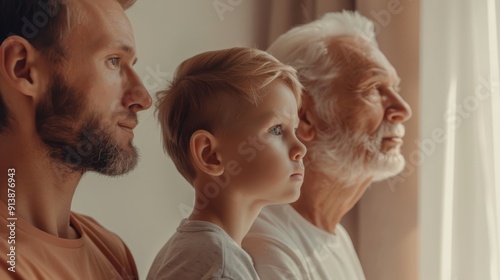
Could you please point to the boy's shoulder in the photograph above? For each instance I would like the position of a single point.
(203, 249)
(199, 236)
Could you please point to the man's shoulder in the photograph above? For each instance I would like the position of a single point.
(90, 227)
(87, 220)
(105, 240)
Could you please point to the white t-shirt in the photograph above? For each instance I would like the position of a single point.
(202, 250)
(284, 245)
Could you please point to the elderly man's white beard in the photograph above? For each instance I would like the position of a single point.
(352, 156)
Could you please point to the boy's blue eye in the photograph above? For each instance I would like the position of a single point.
(275, 130)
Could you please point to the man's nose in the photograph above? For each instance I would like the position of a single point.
(137, 98)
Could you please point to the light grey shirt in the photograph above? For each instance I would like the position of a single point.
(202, 250)
(284, 245)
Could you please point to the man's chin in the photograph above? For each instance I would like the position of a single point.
(106, 158)
(122, 163)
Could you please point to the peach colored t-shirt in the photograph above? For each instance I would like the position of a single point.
(97, 254)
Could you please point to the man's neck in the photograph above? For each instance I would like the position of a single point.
(43, 190)
(324, 200)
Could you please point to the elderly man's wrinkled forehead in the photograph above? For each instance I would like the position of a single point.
(356, 53)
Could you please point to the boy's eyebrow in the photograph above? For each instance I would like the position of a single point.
(279, 115)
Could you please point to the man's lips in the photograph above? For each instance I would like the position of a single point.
(128, 126)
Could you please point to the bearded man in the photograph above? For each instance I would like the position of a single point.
(351, 123)
(69, 99)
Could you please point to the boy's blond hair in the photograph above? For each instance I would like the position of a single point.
(194, 99)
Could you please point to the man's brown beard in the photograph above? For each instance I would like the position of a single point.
(75, 138)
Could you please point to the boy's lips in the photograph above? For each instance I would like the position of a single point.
(298, 175)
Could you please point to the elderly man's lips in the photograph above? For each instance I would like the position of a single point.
(394, 139)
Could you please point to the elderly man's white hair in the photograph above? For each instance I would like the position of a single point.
(305, 48)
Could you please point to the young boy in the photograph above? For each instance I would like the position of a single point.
(228, 122)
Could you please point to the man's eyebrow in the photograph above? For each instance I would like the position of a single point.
(127, 49)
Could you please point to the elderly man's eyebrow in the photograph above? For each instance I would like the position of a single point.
(381, 73)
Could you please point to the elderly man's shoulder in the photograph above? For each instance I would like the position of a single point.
(276, 243)
(274, 220)
(278, 225)
(282, 228)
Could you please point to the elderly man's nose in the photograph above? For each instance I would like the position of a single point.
(398, 109)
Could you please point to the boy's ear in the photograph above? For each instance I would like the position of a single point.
(306, 131)
(21, 67)
(203, 146)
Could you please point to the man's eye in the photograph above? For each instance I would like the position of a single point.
(115, 61)
(275, 130)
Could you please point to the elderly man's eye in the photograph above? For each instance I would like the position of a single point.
(377, 86)
(115, 61)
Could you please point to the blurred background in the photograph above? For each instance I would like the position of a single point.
(438, 219)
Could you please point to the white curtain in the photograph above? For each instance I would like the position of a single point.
(460, 145)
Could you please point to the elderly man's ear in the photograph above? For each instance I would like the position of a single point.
(21, 69)
(204, 153)
(306, 131)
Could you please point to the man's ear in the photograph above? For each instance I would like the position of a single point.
(204, 152)
(306, 131)
(20, 67)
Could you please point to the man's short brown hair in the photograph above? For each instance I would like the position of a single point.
(194, 99)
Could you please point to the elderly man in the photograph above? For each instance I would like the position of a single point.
(351, 124)
(69, 99)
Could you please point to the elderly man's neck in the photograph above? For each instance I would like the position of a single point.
(324, 200)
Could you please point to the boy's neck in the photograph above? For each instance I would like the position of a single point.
(234, 214)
